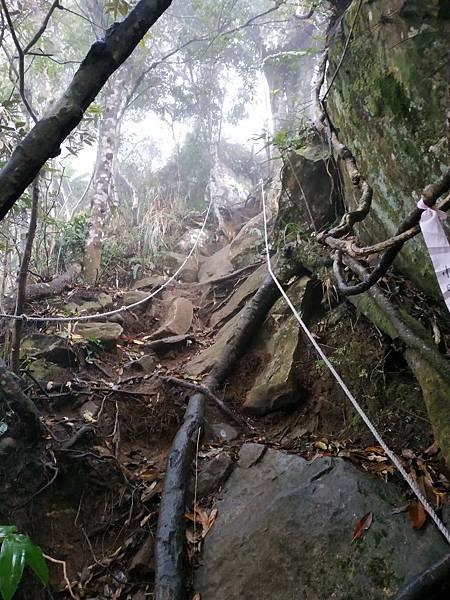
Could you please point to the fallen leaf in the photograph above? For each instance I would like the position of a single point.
(363, 524)
(376, 449)
(417, 514)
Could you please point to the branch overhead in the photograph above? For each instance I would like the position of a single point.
(44, 140)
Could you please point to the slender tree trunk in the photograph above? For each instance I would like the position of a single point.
(6, 266)
(108, 144)
(22, 277)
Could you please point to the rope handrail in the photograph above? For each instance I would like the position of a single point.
(395, 461)
(116, 311)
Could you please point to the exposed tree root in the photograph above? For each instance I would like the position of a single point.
(170, 573)
(431, 584)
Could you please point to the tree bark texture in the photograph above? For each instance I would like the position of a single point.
(170, 576)
(108, 144)
(22, 277)
(44, 140)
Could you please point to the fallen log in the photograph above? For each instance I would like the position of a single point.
(431, 584)
(171, 560)
(39, 291)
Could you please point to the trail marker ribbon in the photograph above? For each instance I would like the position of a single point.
(438, 245)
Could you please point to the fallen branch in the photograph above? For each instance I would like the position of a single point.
(201, 389)
(39, 291)
(171, 562)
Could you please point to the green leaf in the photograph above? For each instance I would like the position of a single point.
(36, 561)
(6, 530)
(12, 562)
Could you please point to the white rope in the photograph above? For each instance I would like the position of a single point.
(122, 309)
(412, 484)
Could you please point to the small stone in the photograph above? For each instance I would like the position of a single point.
(146, 363)
(89, 410)
(222, 432)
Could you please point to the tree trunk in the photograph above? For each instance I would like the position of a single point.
(22, 278)
(108, 143)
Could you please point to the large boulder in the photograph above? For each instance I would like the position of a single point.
(285, 527)
(133, 296)
(86, 302)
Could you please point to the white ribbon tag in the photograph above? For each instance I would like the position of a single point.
(438, 246)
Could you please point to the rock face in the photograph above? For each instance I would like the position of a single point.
(279, 341)
(383, 109)
(216, 265)
(311, 188)
(238, 297)
(285, 526)
(178, 320)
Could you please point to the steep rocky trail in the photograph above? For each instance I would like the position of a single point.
(111, 417)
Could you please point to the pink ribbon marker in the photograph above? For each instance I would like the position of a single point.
(438, 245)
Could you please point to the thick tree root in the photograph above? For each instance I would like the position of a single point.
(170, 575)
(431, 584)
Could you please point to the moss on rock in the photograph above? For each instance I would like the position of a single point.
(389, 105)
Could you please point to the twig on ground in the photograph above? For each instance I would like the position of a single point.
(64, 568)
